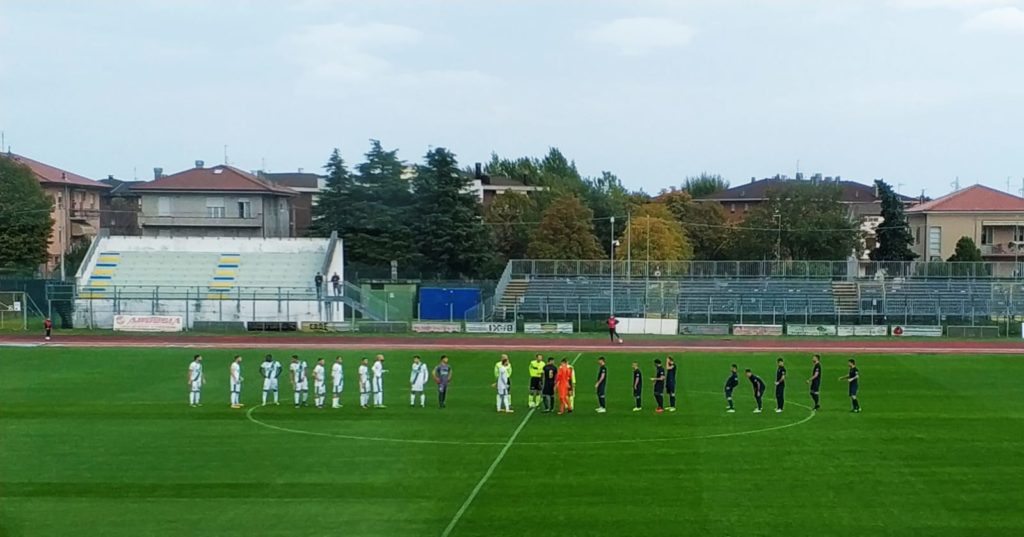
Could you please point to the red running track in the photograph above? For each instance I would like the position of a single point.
(894, 346)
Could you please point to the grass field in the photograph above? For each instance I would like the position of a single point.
(102, 442)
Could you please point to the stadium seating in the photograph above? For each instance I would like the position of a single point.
(218, 266)
(765, 296)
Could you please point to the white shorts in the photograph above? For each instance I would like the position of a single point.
(502, 390)
(236, 387)
(419, 387)
(339, 387)
(378, 385)
(364, 387)
(319, 388)
(270, 385)
(302, 386)
(197, 385)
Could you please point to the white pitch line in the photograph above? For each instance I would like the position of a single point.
(490, 471)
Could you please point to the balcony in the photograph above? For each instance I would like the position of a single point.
(78, 213)
(1008, 249)
(199, 221)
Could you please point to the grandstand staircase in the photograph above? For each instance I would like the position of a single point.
(515, 291)
(99, 279)
(847, 298)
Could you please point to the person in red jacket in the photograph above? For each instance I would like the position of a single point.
(562, 381)
(48, 326)
(613, 332)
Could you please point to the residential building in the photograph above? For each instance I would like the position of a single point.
(76, 207)
(992, 218)
(221, 201)
(862, 201)
(120, 208)
(487, 187)
(308, 186)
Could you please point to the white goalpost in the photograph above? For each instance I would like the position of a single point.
(13, 310)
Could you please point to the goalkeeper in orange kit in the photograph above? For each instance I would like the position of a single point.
(562, 381)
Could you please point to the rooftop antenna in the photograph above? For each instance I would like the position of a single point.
(899, 188)
(135, 173)
(1021, 186)
(1008, 179)
(956, 183)
(225, 154)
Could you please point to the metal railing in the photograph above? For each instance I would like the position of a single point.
(848, 269)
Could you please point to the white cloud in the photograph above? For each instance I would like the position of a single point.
(344, 51)
(950, 4)
(999, 20)
(640, 35)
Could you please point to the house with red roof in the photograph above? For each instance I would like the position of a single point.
(76, 206)
(221, 201)
(994, 219)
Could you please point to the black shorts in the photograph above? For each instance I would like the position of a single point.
(670, 388)
(600, 389)
(548, 390)
(815, 388)
(728, 392)
(535, 384)
(853, 390)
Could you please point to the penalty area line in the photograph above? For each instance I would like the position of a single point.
(490, 470)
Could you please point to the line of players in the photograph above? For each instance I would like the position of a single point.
(371, 381)
(546, 380)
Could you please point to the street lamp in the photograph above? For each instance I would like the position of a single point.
(611, 270)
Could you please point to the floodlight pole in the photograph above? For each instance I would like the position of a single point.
(611, 270)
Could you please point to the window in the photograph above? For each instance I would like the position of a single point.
(987, 234)
(163, 206)
(244, 208)
(746, 207)
(60, 201)
(732, 207)
(215, 207)
(1018, 233)
(935, 241)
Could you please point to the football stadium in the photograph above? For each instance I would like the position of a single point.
(118, 431)
(428, 268)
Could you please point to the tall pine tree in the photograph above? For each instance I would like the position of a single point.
(893, 234)
(379, 229)
(454, 241)
(333, 207)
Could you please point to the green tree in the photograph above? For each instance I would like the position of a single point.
(705, 224)
(510, 216)
(333, 209)
(451, 233)
(893, 234)
(802, 220)
(606, 197)
(966, 251)
(705, 184)
(380, 215)
(25, 222)
(566, 231)
(652, 237)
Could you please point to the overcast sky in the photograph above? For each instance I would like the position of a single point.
(916, 91)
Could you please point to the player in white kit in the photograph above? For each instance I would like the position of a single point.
(299, 381)
(195, 380)
(338, 382)
(364, 384)
(503, 383)
(378, 381)
(270, 369)
(236, 382)
(418, 382)
(319, 383)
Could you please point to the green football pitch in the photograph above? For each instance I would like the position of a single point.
(103, 442)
